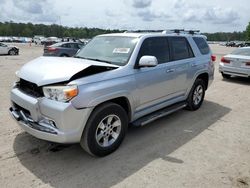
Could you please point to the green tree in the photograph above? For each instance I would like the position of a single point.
(248, 32)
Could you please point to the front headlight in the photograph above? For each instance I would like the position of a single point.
(60, 93)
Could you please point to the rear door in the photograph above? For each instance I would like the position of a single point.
(182, 58)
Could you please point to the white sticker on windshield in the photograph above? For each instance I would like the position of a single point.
(121, 50)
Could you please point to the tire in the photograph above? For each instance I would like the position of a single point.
(196, 95)
(12, 52)
(98, 126)
(226, 76)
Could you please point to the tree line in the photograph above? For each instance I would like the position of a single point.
(30, 30)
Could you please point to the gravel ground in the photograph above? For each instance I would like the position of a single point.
(206, 148)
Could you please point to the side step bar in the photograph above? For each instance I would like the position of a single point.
(158, 114)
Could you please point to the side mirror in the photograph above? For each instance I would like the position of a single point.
(148, 61)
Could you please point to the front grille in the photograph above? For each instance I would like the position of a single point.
(30, 88)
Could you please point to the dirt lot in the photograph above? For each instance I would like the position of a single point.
(206, 148)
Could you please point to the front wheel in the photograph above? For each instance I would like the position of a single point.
(196, 95)
(12, 52)
(105, 130)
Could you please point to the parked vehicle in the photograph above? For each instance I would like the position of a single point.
(50, 41)
(63, 49)
(231, 44)
(7, 49)
(38, 39)
(247, 44)
(239, 44)
(236, 64)
(115, 80)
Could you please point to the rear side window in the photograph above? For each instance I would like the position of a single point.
(202, 45)
(155, 46)
(180, 48)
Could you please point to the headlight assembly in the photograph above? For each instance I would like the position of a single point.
(60, 93)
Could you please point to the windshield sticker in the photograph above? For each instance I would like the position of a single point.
(121, 50)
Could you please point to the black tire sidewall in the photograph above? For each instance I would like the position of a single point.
(96, 117)
(12, 51)
(190, 101)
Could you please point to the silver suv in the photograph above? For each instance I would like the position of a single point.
(115, 80)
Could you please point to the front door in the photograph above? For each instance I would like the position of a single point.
(154, 84)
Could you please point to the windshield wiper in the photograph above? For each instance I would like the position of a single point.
(93, 59)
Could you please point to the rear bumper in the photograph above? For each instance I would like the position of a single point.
(234, 71)
(48, 120)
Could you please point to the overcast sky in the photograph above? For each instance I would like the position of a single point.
(208, 16)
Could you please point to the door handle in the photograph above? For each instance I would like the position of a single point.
(194, 64)
(170, 70)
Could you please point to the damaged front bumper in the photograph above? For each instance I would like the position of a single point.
(47, 119)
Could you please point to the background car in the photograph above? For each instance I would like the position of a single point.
(236, 64)
(247, 43)
(38, 39)
(63, 49)
(230, 44)
(50, 41)
(11, 50)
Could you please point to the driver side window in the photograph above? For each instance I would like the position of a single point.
(155, 46)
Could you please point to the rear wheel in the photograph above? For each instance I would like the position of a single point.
(196, 95)
(105, 130)
(226, 76)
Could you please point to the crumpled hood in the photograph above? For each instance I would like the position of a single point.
(49, 70)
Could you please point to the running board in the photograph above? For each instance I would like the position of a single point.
(158, 114)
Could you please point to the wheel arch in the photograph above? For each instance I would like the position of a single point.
(205, 77)
(122, 101)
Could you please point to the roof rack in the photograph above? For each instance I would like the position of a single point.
(144, 31)
(177, 31)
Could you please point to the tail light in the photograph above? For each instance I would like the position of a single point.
(52, 49)
(247, 63)
(213, 58)
(224, 60)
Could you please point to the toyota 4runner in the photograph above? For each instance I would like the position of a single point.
(115, 80)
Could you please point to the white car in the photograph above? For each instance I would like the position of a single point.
(236, 64)
(38, 39)
(10, 50)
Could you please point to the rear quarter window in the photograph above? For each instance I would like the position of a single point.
(202, 45)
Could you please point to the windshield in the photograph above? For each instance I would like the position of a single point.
(242, 51)
(110, 49)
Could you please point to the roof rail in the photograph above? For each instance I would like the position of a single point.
(144, 31)
(177, 31)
